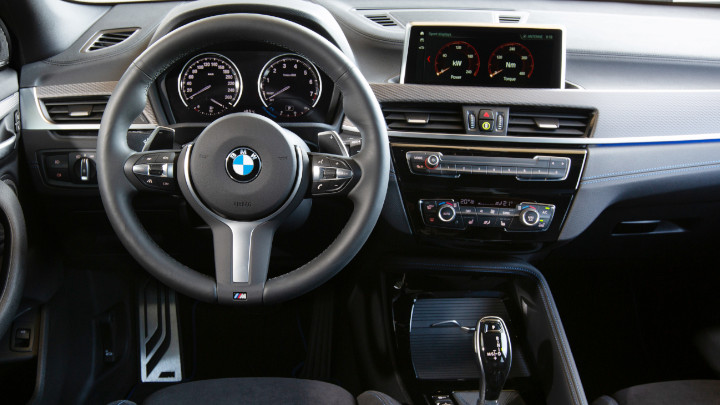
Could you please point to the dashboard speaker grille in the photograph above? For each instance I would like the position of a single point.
(75, 110)
(509, 19)
(106, 39)
(555, 123)
(382, 19)
(424, 118)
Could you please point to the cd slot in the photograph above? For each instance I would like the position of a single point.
(544, 168)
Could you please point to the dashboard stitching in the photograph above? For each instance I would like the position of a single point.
(379, 398)
(572, 379)
(661, 168)
(620, 178)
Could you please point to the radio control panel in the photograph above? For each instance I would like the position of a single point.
(451, 214)
(474, 195)
(537, 168)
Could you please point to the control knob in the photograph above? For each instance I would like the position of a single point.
(446, 213)
(529, 216)
(432, 161)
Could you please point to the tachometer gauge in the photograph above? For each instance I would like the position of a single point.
(457, 60)
(210, 84)
(511, 63)
(289, 86)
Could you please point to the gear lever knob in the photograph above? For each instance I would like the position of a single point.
(492, 346)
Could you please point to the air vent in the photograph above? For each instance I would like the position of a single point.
(382, 19)
(106, 39)
(75, 110)
(568, 124)
(509, 19)
(424, 118)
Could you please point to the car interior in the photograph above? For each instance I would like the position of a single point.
(359, 202)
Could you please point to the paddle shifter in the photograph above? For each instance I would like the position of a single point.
(492, 346)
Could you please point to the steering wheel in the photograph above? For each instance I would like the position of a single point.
(244, 174)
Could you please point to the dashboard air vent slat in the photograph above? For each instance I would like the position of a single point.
(421, 118)
(382, 19)
(550, 124)
(106, 39)
(75, 110)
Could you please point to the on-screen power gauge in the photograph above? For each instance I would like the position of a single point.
(457, 60)
(511, 63)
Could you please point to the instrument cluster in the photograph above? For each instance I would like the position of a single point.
(283, 86)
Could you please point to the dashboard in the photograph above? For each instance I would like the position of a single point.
(634, 119)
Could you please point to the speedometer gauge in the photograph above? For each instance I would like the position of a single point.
(289, 86)
(210, 84)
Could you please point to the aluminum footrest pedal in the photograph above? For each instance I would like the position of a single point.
(160, 359)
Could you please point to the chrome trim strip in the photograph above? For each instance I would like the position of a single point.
(8, 104)
(7, 146)
(452, 323)
(556, 141)
(409, 25)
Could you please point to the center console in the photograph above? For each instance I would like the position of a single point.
(519, 354)
(479, 194)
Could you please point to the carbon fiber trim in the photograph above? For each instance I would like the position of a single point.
(86, 89)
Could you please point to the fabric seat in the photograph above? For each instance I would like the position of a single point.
(242, 391)
(690, 392)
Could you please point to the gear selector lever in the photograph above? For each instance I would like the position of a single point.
(492, 346)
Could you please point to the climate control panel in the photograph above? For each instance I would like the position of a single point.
(462, 215)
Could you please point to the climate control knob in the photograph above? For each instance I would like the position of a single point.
(432, 161)
(446, 213)
(529, 216)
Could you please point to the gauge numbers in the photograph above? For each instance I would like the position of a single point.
(457, 60)
(511, 63)
(210, 84)
(289, 86)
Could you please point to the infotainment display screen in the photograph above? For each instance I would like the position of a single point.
(483, 55)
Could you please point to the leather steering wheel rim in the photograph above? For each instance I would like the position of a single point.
(128, 101)
(14, 261)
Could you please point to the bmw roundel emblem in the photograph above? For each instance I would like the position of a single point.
(242, 164)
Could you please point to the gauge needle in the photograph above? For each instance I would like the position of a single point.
(213, 100)
(493, 74)
(277, 93)
(443, 71)
(201, 90)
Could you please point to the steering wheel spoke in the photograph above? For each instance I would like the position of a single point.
(333, 175)
(242, 255)
(153, 171)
